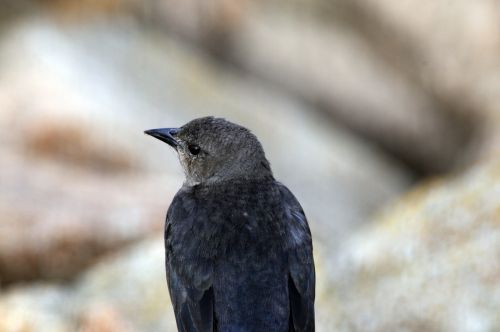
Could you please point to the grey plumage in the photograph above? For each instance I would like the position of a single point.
(238, 246)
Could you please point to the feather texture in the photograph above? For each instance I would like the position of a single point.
(239, 258)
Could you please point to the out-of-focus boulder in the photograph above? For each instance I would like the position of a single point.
(210, 24)
(74, 180)
(79, 177)
(428, 264)
(334, 68)
(35, 308)
(450, 51)
(330, 54)
(55, 221)
(131, 284)
(123, 292)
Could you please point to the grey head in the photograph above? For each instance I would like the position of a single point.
(213, 150)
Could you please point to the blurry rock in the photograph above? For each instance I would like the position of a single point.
(337, 70)
(123, 292)
(78, 9)
(101, 318)
(319, 51)
(55, 220)
(430, 263)
(210, 24)
(449, 52)
(459, 65)
(35, 309)
(72, 183)
(460, 61)
(70, 142)
(132, 286)
(207, 23)
(70, 192)
(79, 177)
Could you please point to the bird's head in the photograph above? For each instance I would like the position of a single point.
(214, 150)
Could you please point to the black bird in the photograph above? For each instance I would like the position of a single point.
(238, 246)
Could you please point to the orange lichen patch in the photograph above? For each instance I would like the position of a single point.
(75, 144)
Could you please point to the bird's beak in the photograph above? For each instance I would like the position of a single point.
(166, 135)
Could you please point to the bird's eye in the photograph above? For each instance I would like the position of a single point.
(194, 149)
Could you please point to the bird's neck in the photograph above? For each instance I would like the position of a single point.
(231, 181)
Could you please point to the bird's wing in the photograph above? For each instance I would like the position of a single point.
(301, 283)
(189, 281)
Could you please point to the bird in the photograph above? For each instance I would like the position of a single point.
(238, 248)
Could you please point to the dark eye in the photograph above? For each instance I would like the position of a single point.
(194, 149)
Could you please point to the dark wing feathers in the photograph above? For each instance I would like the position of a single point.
(301, 281)
(192, 296)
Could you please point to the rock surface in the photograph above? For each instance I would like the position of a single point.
(387, 78)
(123, 292)
(80, 184)
(344, 59)
(79, 178)
(35, 308)
(458, 64)
(430, 263)
(337, 70)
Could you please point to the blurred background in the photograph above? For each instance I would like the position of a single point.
(382, 116)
